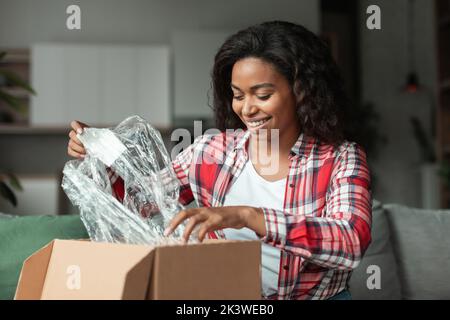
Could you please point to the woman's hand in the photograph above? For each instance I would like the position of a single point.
(75, 148)
(215, 218)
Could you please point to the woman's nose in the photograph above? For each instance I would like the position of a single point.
(249, 108)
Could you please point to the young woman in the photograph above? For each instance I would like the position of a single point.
(311, 206)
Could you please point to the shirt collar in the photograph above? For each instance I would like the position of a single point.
(241, 139)
(301, 148)
(303, 145)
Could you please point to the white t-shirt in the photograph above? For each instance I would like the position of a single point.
(250, 189)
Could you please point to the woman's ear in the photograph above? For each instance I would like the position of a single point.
(302, 96)
(297, 88)
(299, 98)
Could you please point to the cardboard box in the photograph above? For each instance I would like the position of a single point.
(78, 269)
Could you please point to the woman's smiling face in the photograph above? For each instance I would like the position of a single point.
(263, 97)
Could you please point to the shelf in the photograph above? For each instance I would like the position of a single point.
(15, 56)
(27, 130)
(13, 129)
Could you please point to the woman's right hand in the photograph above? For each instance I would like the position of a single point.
(75, 148)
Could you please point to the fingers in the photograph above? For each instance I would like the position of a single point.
(195, 217)
(193, 222)
(179, 218)
(206, 227)
(175, 222)
(76, 147)
(73, 137)
(214, 222)
(74, 154)
(78, 126)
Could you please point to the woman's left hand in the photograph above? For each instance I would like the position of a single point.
(216, 218)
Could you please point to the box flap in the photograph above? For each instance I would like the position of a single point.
(93, 270)
(137, 280)
(33, 274)
(214, 269)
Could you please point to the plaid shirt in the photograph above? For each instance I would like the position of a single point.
(325, 226)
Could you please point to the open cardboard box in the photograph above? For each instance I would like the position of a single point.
(79, 269)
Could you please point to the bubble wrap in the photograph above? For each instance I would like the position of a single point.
(135, 151)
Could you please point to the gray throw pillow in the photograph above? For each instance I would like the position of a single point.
(380, 254)
(421, 241)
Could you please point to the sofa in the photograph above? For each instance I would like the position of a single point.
(410, 250)
(20, 236)
(408, 258)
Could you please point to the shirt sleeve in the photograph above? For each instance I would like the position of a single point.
(340, 237)
(181, 165)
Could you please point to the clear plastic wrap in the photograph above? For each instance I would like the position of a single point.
(135, 151)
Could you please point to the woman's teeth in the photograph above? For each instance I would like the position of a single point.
(257, 123)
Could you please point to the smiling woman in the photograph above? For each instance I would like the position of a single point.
(295, 57)
(278, 83)
(264, 102)
(262, 97)
(313, 212)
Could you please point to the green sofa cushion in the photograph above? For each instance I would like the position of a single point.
(20, 236)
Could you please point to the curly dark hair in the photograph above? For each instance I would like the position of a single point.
(306, 62)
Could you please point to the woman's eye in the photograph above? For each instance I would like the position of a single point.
(266, 97)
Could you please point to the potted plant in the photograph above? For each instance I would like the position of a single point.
(8, 181)
(363, 128)
(8, 184)
(363, 123)
(8, 80)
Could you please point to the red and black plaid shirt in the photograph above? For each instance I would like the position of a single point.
(324, 228)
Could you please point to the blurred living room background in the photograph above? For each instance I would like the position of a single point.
(153, 58)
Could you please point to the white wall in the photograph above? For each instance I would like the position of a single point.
(194, 53)
(40, 195)
(99, 84)
(24, 22)
(384, 63)
(136, 22)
